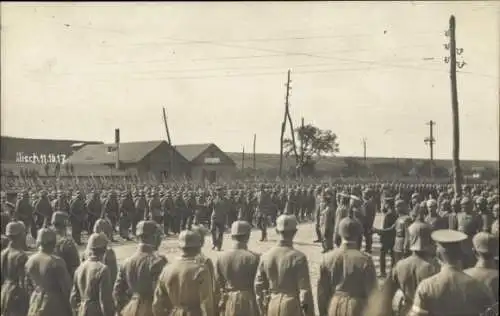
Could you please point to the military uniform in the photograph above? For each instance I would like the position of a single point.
(369, 209)
(282, 284)
(92, 288)
(450, 291)
(65, 246)
(235, 274)
(327, 221)
(134, 286)
(218, 221)
(94, 208)
(109, 258)
(184, 287)
(347, 276)
(485, 271)
(15, 286)
(401, 226)
(51, 280)
(77, 217)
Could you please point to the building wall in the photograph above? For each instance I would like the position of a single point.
(158, 162)
(223, 173)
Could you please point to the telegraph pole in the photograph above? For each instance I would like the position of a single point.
(431, 141)
(364, 150)
(283, 124)
(452, 47)
(254, 158)
(243, 159)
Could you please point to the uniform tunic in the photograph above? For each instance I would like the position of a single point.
(15, 292)
(326, 224)
(184, 289)
(282, 284)
(451, 292)
(487, 275)
(52, 286)
(406, 276)
(109, 259)
(347, 278)
(235, 274)
(137, 277)
(92, 290)
(66, 250)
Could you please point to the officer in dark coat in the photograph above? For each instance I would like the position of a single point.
(77, 217)
(450, 291)
(387, 234)
(263, 209)
(24, 212)
(401, 226)
(94, 208)
(127, 214)
(468, 223)
(42, 209)
(218, 220)
(369, 209)
(347, 275)
(111, 209)
(327, 220)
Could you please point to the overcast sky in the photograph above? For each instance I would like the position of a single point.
(374, 70)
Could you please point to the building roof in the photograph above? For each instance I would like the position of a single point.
(132, 152)
(192, 151)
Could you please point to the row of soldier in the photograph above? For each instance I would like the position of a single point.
(242, 282)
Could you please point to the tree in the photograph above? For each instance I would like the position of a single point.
(313, 144)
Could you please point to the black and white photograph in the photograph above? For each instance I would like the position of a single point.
(250, 158)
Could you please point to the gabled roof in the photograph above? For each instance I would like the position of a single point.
(132, 152)
(192, 151)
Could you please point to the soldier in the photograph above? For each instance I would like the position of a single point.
(327, 220)
(50, 277)
(235, 274)
(282, 283)
(111, 209)
(155, 209)
(141, 209)
(409, 272)
(387, 234)
(433, 218)
(94, 208)
(369, 209)
(437, 295)
(166, 207)
(485, 270)
(134, 287)
(218, 220)
(109, 258)
(263, 209)
(92, 288)
(77, 217)
(42, 209)
(318, 197)
(15, 291)
(65, 246)
(347, 276)
(341, 212)
(127, 214)
(470, 224)
(401, 226)
(24, 212)
(184, 286)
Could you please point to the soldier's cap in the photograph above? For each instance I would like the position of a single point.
(59, 218)
(431, 202)
(15, 229)
(350, 229)
(146, 228)
(399, 202)
(286, 223)
(448, 237)
(415, 195)
(419, 235)
(97, 241)
(484, 242)
(102, 226)
(465, 201)
(189, 239)
(240, 228)
(45, 236)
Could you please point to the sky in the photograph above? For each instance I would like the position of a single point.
(369, 70)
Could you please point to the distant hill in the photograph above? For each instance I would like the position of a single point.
(332, 164)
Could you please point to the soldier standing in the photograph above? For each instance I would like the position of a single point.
(15, 292)
(282, 283)
(318, 197)
(137, 276)
(141, 209)
(24, 212)
(111, 209)
(77, 216)
(327, 220)
(341, 212)
(401, 242)
(218, 220)
(437, 295)
(369, 210)
(92, 288)
(65, 247)
(409, 272)
(42, 209)
(184, 286)
(109, 259)
(468, 223)
(485, 270)
(155, 209)
(94, 208)
(263, 209)
(235, 274)
(347, 276)
(166, 207)
(127, 214)
(50, 277)
(387, 234)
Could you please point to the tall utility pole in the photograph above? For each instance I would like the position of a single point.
(431, 141)
(302, 148)
(452, 46)
(243, 159)
(254, 158)
(172, 154)
(283, 124)
(364, 150)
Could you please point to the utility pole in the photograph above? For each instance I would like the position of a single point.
(431, 141)
(452, 47)
(254, 158)
(283, 124)
(301, 162)
(171, 151)
(243, 159)
(364, 150)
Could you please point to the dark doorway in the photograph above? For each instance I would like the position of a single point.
(212, 176)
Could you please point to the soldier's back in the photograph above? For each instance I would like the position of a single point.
(66, 250)
(487, 276)
(238, 268)
(451, 292)
(14, 296)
